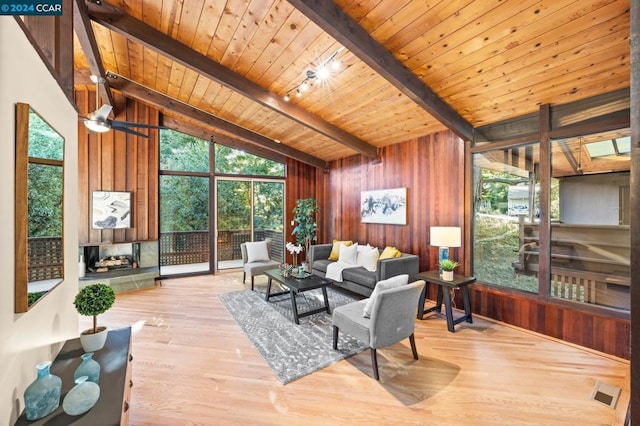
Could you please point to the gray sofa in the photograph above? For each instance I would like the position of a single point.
(359, 280)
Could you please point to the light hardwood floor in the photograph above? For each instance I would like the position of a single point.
(194, 366)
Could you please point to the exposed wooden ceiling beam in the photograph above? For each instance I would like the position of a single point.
(87, 39)
(221, 138)
(612, 121)
(165, 103)
(607, 108)
(123, 24)
(347, 32)
(568, 155)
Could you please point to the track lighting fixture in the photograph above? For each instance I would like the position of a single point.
(321, 73)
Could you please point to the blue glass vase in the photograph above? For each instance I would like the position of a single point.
(42, 396)
(89, 367)
(81, 398)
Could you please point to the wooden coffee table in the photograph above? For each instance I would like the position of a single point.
(298, 285)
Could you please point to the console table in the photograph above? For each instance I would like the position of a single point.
(459, 281)
(115, 382)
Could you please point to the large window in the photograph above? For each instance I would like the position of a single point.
(588, 210)
(506, 198)
(590, 240)
(249, 204)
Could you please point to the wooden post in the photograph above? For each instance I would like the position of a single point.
(544, 230)
(634, 403)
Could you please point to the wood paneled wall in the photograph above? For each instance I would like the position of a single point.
(599, 332)
(303, 181)
(432, 169)
(116, 161)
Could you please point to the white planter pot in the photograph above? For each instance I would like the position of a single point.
(92, 342)
(447, 275)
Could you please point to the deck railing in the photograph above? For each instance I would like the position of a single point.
(45, 258)
(179, 248)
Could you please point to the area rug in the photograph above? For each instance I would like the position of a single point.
(292, 351)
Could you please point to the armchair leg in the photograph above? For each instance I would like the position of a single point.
(252, 283)
(374, 364)
(412, 340)
(244, 277)
(335, 337)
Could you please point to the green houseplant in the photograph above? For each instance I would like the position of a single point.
(304, 215)
(447, 269)
(94, 300)
(448, 265)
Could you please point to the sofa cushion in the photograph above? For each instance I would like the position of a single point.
(390, 252)
(335, 250)
(360, 276)
(348, 254)
(321, 265)
(257, 251)
(393, 282)
(368, 257)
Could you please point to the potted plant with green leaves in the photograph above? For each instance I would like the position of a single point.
(447, 269)
(305, 229)
(93, 300)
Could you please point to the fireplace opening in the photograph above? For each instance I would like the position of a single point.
(105, 258)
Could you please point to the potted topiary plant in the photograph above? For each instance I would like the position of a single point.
(94, 300)
(305, 230)
(447, 269)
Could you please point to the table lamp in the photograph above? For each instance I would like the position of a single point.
(445, 237)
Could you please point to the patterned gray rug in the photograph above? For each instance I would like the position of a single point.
(291, 350)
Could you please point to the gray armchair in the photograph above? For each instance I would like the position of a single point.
(258, 267)
(392, 320)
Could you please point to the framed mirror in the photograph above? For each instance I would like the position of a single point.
(39, 195)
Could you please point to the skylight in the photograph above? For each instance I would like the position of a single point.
(609, 147)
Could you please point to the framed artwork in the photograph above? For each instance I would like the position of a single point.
(111, 210)
(388, 206)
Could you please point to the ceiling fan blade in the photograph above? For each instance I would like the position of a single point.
(122, 124)
(103, 113)
(131, 132)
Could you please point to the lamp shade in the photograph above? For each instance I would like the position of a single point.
(445, 236)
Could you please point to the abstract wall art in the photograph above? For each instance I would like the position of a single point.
(387, 206)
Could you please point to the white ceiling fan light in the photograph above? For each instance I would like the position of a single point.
(97, 126)
(99, 121)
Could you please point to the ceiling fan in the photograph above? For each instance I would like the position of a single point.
(98, 121)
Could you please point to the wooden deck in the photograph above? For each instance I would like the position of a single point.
(193, 365)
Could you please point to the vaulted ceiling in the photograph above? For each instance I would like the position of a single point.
(408, 68)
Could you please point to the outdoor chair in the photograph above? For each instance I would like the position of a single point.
(255, 262)
(392, 319)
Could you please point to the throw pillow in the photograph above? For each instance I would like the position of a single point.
(335, 250)
(348, 254)
(257, 251)
(393, 282)
(390, 252)
(368, 257)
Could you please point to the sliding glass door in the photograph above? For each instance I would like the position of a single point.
(248, 210)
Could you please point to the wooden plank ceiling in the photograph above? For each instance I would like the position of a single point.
(488, 60)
